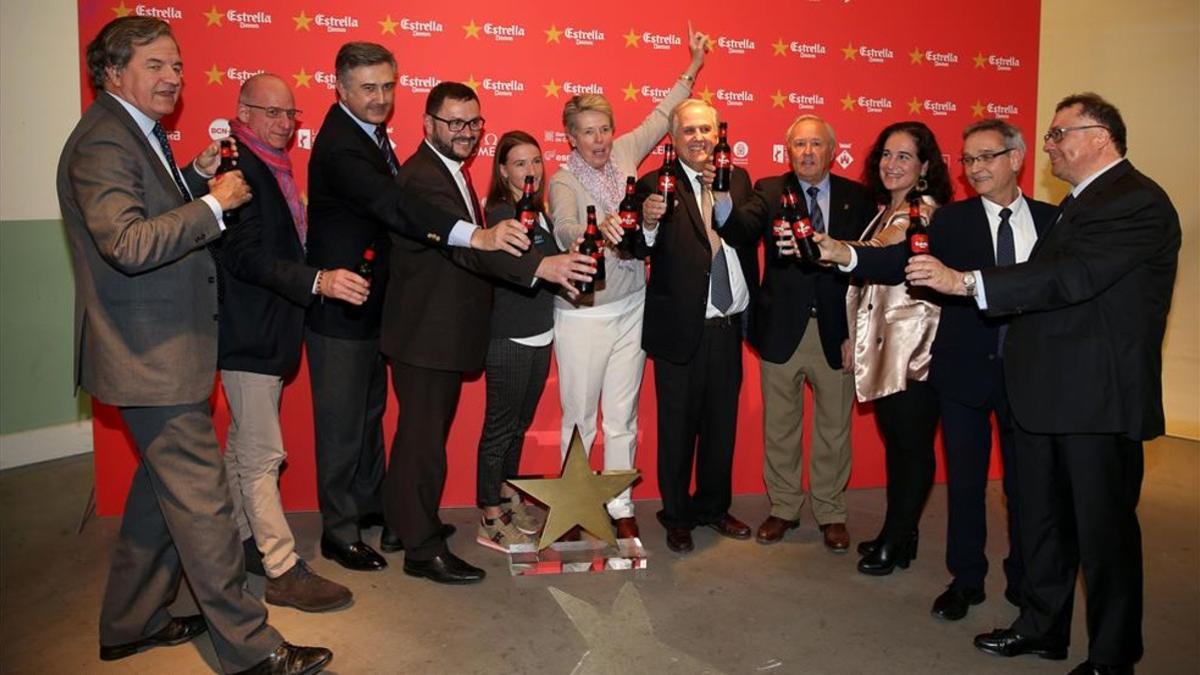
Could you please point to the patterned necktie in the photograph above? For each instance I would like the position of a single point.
(814, 209)
(473, 200)
(161, 135)
(385, 146)
(720, 290)
(1006, 254)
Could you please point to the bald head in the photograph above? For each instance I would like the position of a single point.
(266, 105)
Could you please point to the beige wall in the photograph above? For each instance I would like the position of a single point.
(1144, 57)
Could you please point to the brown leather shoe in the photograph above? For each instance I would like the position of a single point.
(731, 527)
(773, 529)
(626, 528)
(679, 539)
(837, 538)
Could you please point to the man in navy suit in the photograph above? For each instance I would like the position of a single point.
(1083, 367)
(999, 226)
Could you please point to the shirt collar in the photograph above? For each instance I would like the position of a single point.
(993, 209)
(367, 127)
(691, 174)
(1078, 189)
(453, 165)
(821, 185)
(140, 118)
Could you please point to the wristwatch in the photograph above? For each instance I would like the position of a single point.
(969, 284)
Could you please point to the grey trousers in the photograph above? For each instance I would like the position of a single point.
(179, 520)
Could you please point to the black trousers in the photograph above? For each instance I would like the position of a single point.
(349, 391)
(697, 426)
(908, 423)
(967, 431)
(515, 377)
(1079, 495)
(416, 474)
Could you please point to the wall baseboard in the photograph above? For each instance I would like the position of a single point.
(40, 445)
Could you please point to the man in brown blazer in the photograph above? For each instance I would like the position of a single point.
(146, 341)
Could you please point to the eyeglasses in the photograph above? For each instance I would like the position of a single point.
(1056, 133)
(458, 125)
(982, 158)
(273, 112)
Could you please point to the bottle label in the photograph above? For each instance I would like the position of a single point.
(803, 230)
(629, 220)
(666, 183)
(919, 243)
(529, 219)
(721, 160)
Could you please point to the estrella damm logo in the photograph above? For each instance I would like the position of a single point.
(1001, 63)
(656, 94)
(866, 103)
(876, 54)
(498, 32)
(582, 37)
(168, 13)
(735, 97)
(334, 23)
(417, 84)
(735, 45)
(998, 110)
(802, 101)
(654, 40)
(237, 17)
(939, 108)
(502, 87)
(421, 28)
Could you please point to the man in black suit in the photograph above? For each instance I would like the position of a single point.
(265, 289)
(146, 341)
(698, 291)
(354, 201)
(798, 326)
(1083, 366)
(435, 327)
(999, 226)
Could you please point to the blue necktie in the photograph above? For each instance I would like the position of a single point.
(161, 135)
(1006, 254)
(814, 210)
(385, 146)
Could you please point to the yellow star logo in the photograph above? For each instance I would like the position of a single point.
(388, 25)
(303, 21)
(121, 10)
(631, 38)
(213, 17)
(472, 82)
(472, 30)
(916, 57)
(553, 34)
(778, 98)
(780, 47)
(215, 75)
(914, 106)
(848, 102)
(630, 92)
(977, 109)
(980, 60)
(552, 89)
(303, 79)
(707, 95)
(850, 53)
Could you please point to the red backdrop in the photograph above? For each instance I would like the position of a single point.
(859, 64)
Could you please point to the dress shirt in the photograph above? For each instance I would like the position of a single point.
(822, 198)
(147, 126)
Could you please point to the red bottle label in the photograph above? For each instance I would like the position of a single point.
(721, 160)
(629, 220)
(919, 243)
(802, 229)
(666, 183)
(529, 219)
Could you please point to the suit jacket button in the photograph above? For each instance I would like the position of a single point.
(870, 306)
(878, 340)
(214, 317)
(212, 280)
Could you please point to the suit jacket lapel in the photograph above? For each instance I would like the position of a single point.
(1083, 200)
(686, 194)
(106, 101)
(432, 157)
(362, 137)
(983, 246)
(839, 208)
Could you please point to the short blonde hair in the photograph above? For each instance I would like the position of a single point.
(581, 103)
(692, 103)
(829, 134)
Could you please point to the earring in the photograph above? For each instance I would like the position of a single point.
(922, 184)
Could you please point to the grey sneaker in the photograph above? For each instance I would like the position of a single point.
(500, 534)
(306, 590)
(524, 516)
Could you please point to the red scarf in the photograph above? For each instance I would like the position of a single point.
(281, 167)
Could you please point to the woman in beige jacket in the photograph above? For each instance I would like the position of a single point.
(891, 332)
(598, 338)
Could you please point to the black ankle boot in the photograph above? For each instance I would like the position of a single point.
(887, 556)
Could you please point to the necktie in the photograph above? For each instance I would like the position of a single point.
(718, 278)
(385, 146)
(1062, 206)
(161, 135)
(472, 200)
(814, 210)
(1006, 254)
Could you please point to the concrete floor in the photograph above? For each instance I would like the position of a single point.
(729, 607)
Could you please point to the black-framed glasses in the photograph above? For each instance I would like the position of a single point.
(458, 125)
(1056, 133)
(274, 113)
(982, 158)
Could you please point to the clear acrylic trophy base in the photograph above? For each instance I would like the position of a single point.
(585, 555)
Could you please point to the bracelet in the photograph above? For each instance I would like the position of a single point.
(687, 78)
(317, 283)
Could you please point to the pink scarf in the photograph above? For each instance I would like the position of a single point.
(607, 186)
(281, 167)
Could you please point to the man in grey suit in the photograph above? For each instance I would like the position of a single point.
(146, 341)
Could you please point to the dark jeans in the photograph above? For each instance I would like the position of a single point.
(515, 377)
(908, 422)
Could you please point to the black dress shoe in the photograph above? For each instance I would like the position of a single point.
(731, 527)
(1089, 668)
(389, 542)
(291, 660)
(1007, 642)
(953, 604)
(446, 568)
(353, 556)
(868, 547)
(887, 556)
(178, 630)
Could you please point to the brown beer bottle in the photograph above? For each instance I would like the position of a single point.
(527, 209)
(918, 231)
(666, 180)
(366, 267)
(723, 161)
(802, 229)
(592, 246)
(631, 216)
(228, 159)
(782, 226)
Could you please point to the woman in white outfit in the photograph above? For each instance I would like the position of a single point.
(598, 338)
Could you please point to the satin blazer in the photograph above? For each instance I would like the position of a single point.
(892, 327)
